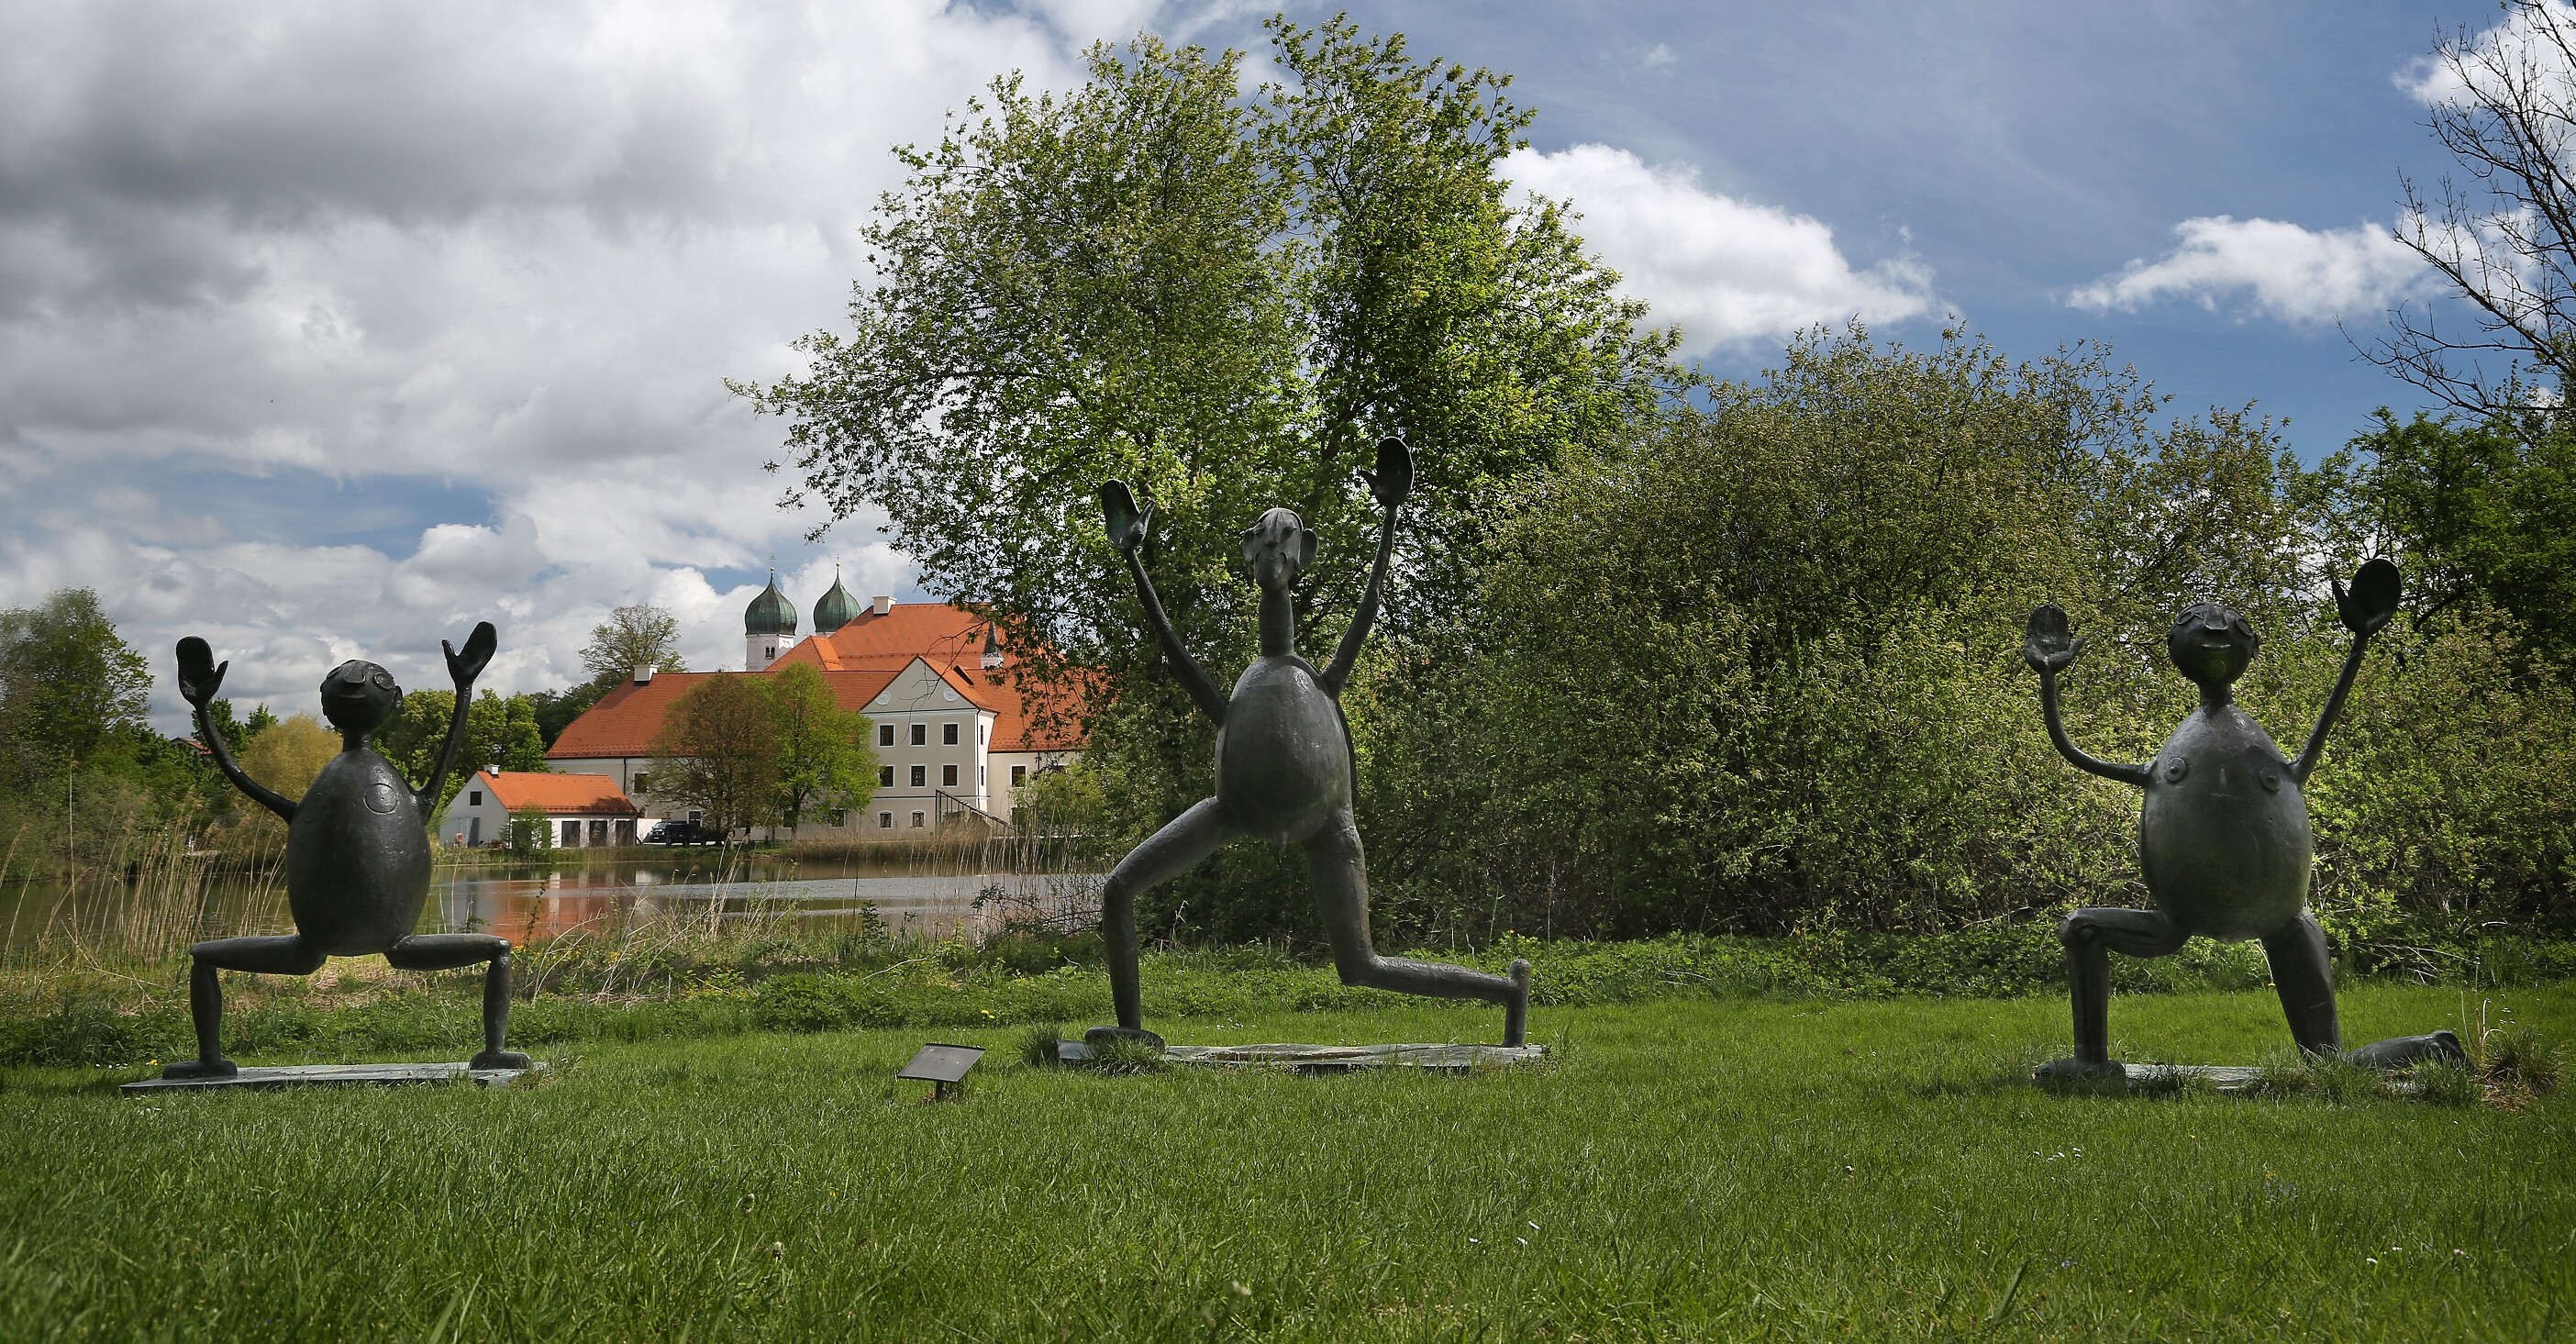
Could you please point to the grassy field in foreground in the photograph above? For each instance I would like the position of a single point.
(1737, 1169)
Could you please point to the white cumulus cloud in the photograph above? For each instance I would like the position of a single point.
(1726, 271)
(2529, 49)
(327, 330)
(2278, 270)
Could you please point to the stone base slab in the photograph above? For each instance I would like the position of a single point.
(1333, 1058)
(334, 1075)
(2224, 1077)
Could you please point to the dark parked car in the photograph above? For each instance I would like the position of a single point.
(681, 833)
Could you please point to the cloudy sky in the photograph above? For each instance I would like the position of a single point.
(329, 328)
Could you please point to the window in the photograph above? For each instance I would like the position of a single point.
(920, 775)
(885, 821)
(572, 833)
(599, 832)
(948, 734)
(979, 776)
(885, 734)
(885, 776)
(921, 734)
(948, 776)
(1019, 775)
(840, 816)
(983, 732)
(473, 797)
(642, 782)
(916, 820)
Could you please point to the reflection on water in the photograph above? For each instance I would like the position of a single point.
(522, 904)
(526, 908)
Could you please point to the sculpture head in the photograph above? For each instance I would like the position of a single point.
(358, 696)
(1278, 548)
(2211, 644)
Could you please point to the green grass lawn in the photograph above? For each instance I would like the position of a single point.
(1707, 1168)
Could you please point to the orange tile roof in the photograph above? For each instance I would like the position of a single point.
(935, 632)
(857, 662)
(627, 719)
(557, 794)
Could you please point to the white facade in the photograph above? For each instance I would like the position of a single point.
(929, 740)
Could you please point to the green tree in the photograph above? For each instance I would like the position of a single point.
(235, 735)
(555, 710)
(825, 756)
(69, 687)
(1224, 301)
(531, 830)
(285, 754)
(638, 635)
(1760, 670)
(2478, 512)
(719, 753)
(498, 731)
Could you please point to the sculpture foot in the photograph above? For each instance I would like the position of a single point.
(1100, 1036)
(2399, 1051)
(1516, 1013)
(499, 1059)
(2080, 1071)
(200, 1068)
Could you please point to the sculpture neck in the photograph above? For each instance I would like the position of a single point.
(2214, 698)
(1278, 623)
(354, 741)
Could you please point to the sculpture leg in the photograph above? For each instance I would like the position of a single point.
(446, 952)
(1166, 854)
(1340, 873)
(287, 955)
(2304, 974)
(2089, 937)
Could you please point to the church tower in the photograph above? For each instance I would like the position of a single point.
(768, 627)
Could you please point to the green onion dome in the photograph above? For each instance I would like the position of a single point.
(835, 608)
(770, 613)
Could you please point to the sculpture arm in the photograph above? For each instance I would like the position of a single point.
(462, 669)
(2126, 774)
(427, 795)
(257, 792)
(1193, 680)
(2315, 751)
(2365, 609)
(1339, 673)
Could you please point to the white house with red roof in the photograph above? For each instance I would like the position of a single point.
(580, 810)
(957, 733)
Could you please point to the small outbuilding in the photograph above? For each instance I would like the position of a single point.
(580, 811)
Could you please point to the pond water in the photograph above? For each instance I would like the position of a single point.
(920, 898)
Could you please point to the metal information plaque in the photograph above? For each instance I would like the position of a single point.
(945, 1065)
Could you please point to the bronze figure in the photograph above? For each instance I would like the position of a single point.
(2223, 835)
(1284, 768)
(357, 855)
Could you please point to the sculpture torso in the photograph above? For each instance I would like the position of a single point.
(1283, 754)
(357, 856)
(2224, 835)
